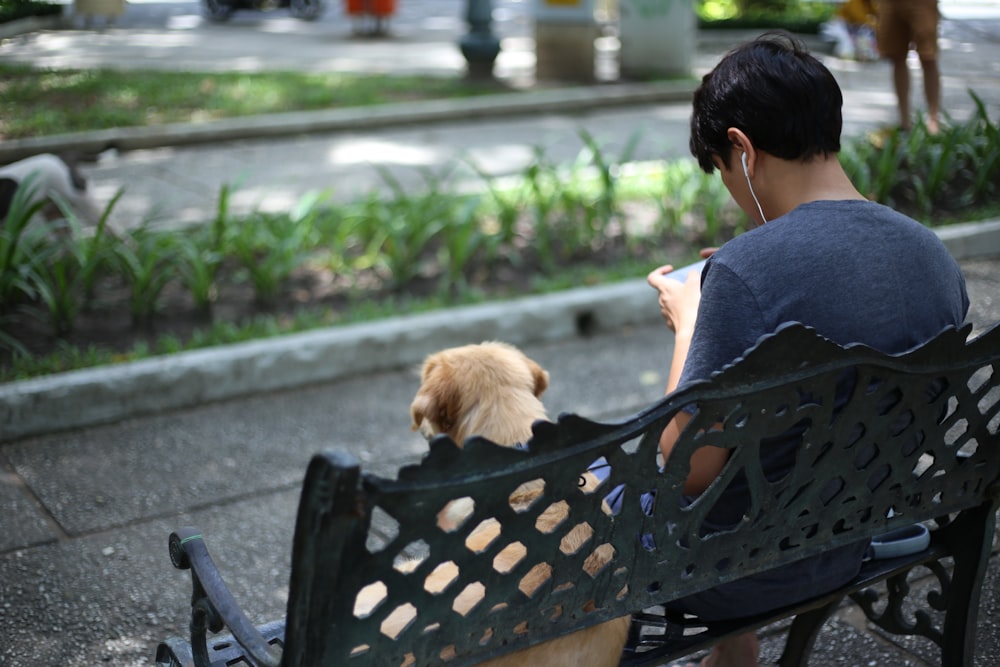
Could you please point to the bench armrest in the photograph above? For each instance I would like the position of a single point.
(212, 605)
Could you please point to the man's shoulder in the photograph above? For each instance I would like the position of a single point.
(832, 218)
(820, 229)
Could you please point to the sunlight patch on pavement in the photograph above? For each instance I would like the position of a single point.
(160, 41)
(375, 151)
(282, 25)
(184, 22)
(505, 159)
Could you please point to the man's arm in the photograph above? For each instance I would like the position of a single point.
(679, 307)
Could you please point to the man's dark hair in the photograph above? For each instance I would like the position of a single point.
(784, 99)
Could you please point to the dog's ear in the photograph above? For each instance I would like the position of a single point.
(438, 400)
(420, 409)
(541, 377)
(422, 406)
(442, 413)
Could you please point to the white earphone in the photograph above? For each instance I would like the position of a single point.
(743, 159)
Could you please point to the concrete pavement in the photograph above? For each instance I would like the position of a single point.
(84, 573)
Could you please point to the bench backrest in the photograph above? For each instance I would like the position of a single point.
(914, 436)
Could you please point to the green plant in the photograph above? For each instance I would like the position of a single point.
(269, 247)
(544, 188)
(67, 262)
(987, 155)
(721, 220)
(939, 160)
(585, 199)
(886, 168)
(56, 279)
(461, 241)
(20, 245)
(20, 242)
(696, 205)
(336, 246)
(574, 223)
(52, 263)
(502, 210)
(802, 16)
(98, 248)
(408, 223)
(342, 250)
(855, 157)
(146, 260)
(924, 174)
(200, 254)
(198, 263)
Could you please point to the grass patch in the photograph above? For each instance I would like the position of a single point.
(11, 10)
(801, 16)
(42, 102)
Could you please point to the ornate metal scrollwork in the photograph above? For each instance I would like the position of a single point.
(893, 617)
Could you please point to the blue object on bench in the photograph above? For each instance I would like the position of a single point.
(900, 542)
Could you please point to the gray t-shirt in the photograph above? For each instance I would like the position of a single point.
(857, 272)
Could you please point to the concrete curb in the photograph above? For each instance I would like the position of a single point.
(972, 240)
(101, 395)
(554, 100)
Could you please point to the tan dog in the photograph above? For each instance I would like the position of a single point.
(492, 390)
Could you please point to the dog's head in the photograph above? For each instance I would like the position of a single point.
(490, 389)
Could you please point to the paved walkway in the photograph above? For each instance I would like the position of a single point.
(84, 573)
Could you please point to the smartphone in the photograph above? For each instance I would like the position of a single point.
(681, 274)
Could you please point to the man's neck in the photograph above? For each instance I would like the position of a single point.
(792, 183)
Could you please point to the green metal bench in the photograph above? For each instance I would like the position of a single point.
(916, 441)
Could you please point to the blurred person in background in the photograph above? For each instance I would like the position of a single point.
(902, 23)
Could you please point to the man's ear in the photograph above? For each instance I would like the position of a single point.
(742, 144)
(738, 138)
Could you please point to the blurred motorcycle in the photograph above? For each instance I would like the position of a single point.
(222, 10)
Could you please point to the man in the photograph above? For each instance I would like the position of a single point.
(900, 24)
(768, 117)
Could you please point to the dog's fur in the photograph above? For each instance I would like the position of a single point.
(492, 390)
(53, 179)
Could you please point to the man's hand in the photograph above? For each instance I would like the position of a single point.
(678, 300)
